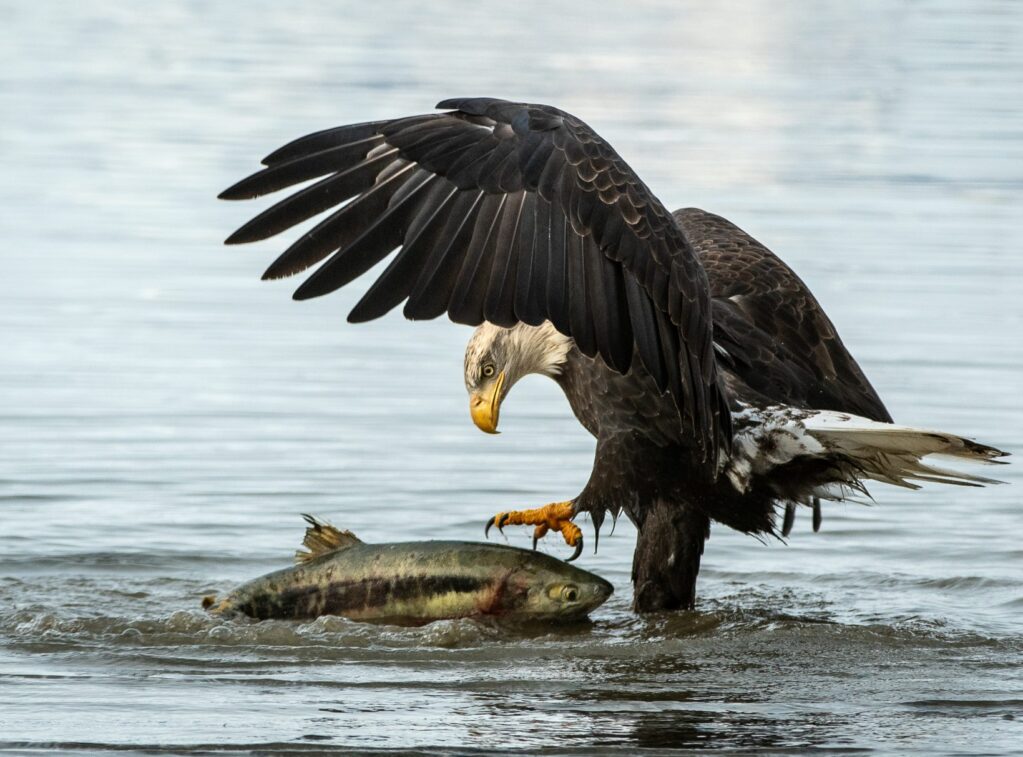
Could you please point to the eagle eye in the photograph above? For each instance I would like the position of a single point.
(489, 370)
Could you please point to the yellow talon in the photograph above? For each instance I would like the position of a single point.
(553, 517)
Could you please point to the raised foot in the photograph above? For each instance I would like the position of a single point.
(553, 517)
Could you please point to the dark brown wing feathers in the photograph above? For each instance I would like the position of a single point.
(504, 212)
(776, 335)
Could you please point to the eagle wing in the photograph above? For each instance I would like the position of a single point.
(776, 335)
(504, 212)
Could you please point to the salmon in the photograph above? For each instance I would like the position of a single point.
(413, 583)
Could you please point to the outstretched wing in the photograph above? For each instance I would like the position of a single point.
(504, 212)
(777, 336)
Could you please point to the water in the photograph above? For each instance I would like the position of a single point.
(165, 416)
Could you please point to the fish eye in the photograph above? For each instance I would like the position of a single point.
(489, 370)
(563, 592)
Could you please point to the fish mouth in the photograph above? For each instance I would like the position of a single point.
(600, 592)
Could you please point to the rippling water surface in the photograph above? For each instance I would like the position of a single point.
(164, 416)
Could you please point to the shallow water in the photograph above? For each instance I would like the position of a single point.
(165, 416)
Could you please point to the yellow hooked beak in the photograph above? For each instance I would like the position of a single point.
(485, 405)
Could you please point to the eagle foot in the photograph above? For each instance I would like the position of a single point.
(553, 517)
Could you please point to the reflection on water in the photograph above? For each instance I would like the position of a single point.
(166, 416)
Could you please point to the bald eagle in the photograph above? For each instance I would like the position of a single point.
(714, 383)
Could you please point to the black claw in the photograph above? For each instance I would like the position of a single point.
(790, 518)
(492, 522)
(578, 550)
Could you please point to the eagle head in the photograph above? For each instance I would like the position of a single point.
(497, 357)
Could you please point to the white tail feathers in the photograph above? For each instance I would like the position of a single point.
(854, 450)
(894, 454)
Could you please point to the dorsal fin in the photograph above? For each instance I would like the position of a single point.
(321, 538)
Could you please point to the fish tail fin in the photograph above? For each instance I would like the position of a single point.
(214, 607)
(321, 538)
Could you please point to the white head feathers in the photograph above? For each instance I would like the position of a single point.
(517, 351)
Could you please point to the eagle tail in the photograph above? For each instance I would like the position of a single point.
(896, 454)
(802, 455)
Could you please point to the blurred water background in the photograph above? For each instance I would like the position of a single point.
(164, 416)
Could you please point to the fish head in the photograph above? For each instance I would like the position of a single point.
(550, 589)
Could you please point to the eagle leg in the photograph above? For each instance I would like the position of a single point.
(553, 517)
